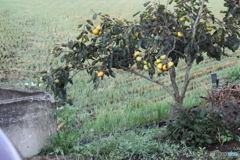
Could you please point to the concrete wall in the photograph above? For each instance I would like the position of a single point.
(26, 118)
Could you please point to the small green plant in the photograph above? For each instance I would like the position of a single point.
(199, 128)
(201, 153)
(234, 73)
(225, 137)
(68, 133)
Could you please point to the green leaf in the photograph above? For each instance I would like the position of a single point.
(235, 46)
(90, 22)
(70, 44)
(70, 81)
(79, 36)
(95, 62)
(144, 44)
(202, 113)
(196, 47)
(234, 10)
(95, 16)
(223, 11)
(81, 56)
(220, 31)
(89, 28)
(199, 58)
(136, 13)
(64, 58)
(49, 80)
(111, 73)
(197, 140)
(146, 3)
(170, 2)
(209, 141)
(213, 18)
(116, 30)
(80, 25)
(62, 94)
(150, 9)
(85, 37)
(160, 52)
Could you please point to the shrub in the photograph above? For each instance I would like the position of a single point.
(198, 127)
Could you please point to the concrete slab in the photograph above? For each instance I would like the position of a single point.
(26, 117)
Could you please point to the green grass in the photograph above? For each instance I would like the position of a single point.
(131, 144)
(31, 28)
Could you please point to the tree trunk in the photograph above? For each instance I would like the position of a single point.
(178, 96)
(176, 107)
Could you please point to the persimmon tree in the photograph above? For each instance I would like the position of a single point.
(155, 42)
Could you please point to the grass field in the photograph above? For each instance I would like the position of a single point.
(29, 29)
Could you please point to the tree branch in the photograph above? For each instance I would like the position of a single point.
(85, 68)
(152, 80)
(173, 81)
(89, 67)
(187, 80)
(189, 60)
(197, 20)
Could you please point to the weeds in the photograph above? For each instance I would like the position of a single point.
(234, 73)
(68, 132)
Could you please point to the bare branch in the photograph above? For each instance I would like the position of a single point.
(187, 79)
(89, 67)
(174, 44)
(152, 80)
(173, 81)
(179, 53)
(197, 19)
(80, 69)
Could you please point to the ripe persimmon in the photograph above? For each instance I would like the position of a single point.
(170, 64)
(165, 68)
(95, 31)
(100, 74)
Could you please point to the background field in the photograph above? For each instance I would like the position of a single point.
(29, 29)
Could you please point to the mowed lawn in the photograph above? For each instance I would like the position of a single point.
(30, 28)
